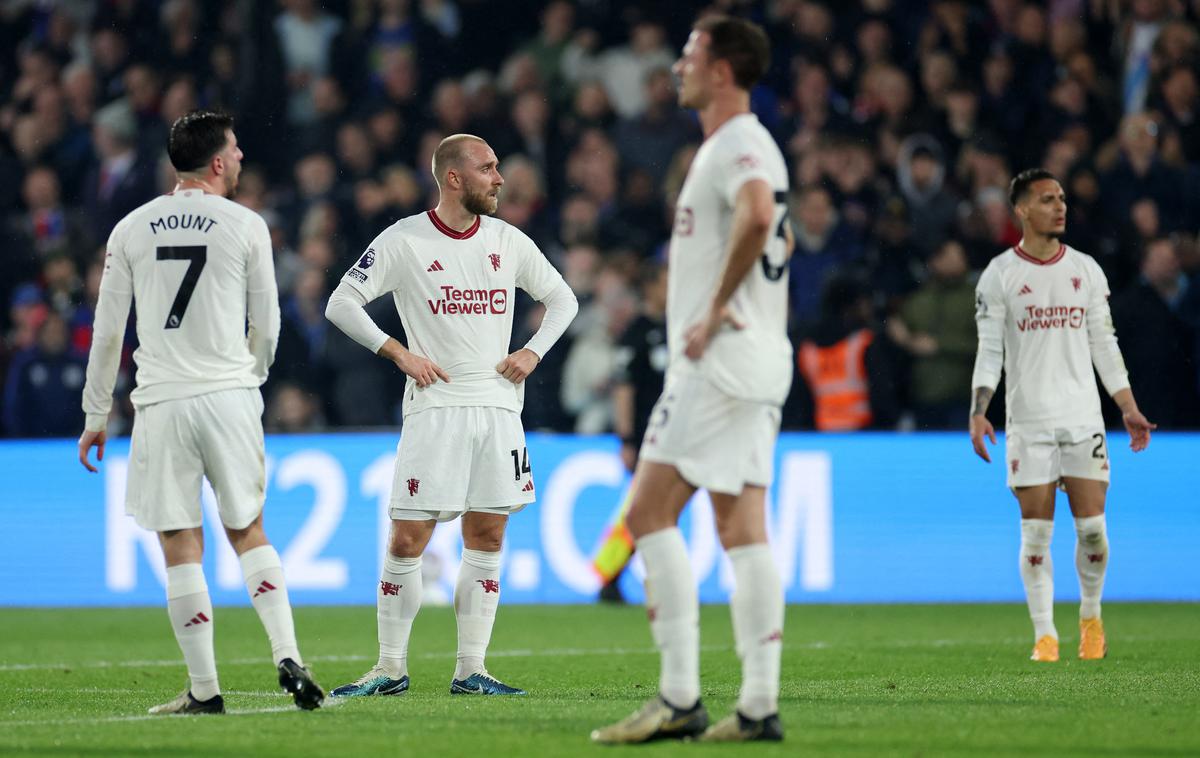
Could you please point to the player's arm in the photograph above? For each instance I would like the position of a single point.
(753, 216)
(1106, 357)
(262, 300)
(346, 310)
(104, 357)
(543, 282)
(990, 311)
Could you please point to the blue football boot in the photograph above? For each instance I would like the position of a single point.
(482, 683)
(374, 682)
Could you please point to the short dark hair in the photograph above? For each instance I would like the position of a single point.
(743, 44)
(1019, 187)
(196, 137)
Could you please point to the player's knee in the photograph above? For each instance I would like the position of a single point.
(408, 538)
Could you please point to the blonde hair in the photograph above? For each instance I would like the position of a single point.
(449, 152)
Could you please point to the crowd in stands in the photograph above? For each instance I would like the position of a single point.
(902, 122)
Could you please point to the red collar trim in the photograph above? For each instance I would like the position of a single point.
(441, 227)
(1062, 250)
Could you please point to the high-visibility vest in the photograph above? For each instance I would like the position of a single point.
(837, 376)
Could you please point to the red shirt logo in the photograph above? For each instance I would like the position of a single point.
(1075, 282)
(495, 259)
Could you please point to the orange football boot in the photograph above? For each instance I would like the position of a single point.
(1046, 650)
(1092, 645)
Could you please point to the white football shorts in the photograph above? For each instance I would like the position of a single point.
(1044, 456)
(456, 459)
(176, 443)
(715, 441)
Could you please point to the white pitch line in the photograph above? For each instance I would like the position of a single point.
(143, 717)
(514, 653)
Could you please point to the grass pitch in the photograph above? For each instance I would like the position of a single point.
(857, 680)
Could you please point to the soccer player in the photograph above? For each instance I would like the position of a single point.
(452, 272)
(1043, 318)
(198, 266)
(728, 374)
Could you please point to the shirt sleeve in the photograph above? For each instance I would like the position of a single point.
(262, 299)
(543, 282)
(1102, 337)
(739, 165)
(108, 332)
(378, 270)
(990, 313)
(345, 311)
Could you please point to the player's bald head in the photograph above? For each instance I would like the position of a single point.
(450, 153)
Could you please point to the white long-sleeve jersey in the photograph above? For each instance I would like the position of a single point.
(1047, 324)
(199, 267)
(753, 362)
(454, 292)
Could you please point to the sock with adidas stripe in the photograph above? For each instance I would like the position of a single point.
(263, 573)
(191, 613)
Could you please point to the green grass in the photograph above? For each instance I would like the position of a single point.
(857, 680)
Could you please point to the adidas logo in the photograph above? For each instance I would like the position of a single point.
(264, 588)
(528, 486)
(1025, 290)
(437, 266)
(197, 620)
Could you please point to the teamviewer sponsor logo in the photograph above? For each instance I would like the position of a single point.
(1051, 317)
(468, 302)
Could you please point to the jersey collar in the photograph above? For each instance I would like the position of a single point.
(446, 230)
(1062, 250)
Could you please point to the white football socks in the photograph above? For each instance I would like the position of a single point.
(190, 609)
(757, 610)
(476, 596)
(1091, 561)
(1037, 574)
(263, 573)
(673, 605)
(398, 600)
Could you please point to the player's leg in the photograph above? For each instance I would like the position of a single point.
(229, 434)
(658, 496)
(163, 495)
(1034, 468)
(262, 572)
(189, 607)
(1087, 498)
(398, 598)
(476, 598)
(1037, 566)
(757, 610)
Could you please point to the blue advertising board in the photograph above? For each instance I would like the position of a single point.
(853, 518)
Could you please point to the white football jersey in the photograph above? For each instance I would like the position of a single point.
(455, 292)
(1051, 323)
(753, 363)
(194, 263)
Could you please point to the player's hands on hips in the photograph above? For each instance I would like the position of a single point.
(422, 370)
(1139, 429)
(698, 336)
(87, 441)
(629, 454)
(518, 366)
(980, 428)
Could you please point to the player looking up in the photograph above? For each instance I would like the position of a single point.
(729, 370)
(199, 267)
(1043, 318)
(452, 273)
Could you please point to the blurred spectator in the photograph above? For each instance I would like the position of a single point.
(845, 381)
(641, 363)
(1157, 343)
(123, 179)
(293, 410)
(649, 140)
(1180, 106)
(588, 370)
(306, 35)
(824, 244)
(936, 327)
(932, 208)
(43, 395)
(1140, 173)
